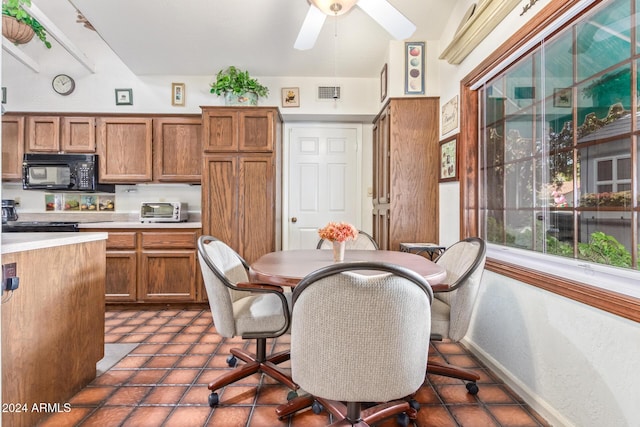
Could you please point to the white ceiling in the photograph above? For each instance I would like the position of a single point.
(199, 37)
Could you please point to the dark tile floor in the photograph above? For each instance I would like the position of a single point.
(163, 382)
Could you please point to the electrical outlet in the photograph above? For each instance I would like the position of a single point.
(9, 280)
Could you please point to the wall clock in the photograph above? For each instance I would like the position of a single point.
(63, 84)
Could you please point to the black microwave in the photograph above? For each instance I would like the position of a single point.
(62, 172)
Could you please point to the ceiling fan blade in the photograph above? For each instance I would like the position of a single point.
(310, 29)
(388, 17)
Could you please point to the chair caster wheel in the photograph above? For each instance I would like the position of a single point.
(403, 419)
(472, 388)
(316, 407)
(213, 400)
(414, 404)
(232, 361)
(292, 395)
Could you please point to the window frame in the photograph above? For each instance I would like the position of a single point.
(502, 260)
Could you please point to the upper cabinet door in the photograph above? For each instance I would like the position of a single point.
(256, 131)
(177, 149)
(124, 145)
(12, 147)
(239, 129)
(43, 134)
(52, 134)
(78, 134)
(220, 129)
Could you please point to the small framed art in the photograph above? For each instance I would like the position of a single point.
(449, 159)
(383, 83)
(124, 96)
(450, 115)
(177, 94)
(414, 68)
(4, 95)
(562, 97)
(290, 97)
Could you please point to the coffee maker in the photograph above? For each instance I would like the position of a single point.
(9, 212)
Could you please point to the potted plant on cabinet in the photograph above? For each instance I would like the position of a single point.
(18, 26)
(238, 87)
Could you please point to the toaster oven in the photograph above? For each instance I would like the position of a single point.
(164, 212)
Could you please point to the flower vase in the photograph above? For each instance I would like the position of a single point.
(338, 251)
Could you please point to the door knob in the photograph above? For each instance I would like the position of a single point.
(294, 219)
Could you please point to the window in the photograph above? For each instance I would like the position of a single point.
(558, 140)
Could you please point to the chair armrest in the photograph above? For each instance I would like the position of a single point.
(440, 287)
(248, 286)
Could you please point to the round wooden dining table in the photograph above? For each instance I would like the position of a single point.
(287, 268)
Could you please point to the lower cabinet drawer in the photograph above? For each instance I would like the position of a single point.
(161, 240)
(121, 240)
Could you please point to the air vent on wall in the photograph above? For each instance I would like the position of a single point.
(328, 93)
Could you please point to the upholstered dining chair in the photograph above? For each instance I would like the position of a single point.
(240, 308)
(454, 300)
(346, 335)
(363, 241)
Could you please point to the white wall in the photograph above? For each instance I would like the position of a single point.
(31, 91)
(576, 365)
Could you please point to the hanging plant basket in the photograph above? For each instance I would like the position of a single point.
(16, 32)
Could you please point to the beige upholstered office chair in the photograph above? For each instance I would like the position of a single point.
(359, 338)
(363, 241)
(454, 300)
(239, 308)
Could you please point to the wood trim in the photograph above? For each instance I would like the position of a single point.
(609, 301)
(486, 17)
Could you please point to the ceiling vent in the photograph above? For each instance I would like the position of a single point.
(328, 93)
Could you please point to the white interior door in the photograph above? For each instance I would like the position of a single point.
(323, 181)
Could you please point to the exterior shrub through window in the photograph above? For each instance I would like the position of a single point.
(559, 146)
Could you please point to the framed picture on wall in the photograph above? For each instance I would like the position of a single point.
(414, 68)
(449, 159)
(383, 83)
(290, 97)
(124, 96)
(450, 115)
(177, 94)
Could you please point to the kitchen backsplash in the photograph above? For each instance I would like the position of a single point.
(125, 200)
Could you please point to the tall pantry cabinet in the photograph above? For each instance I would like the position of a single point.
(241, 178)
(405, 172)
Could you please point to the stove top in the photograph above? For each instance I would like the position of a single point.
(38, 226)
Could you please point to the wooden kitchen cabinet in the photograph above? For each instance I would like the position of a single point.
(240, 202)
(124, 145)
(241, 178)
(168, 266)
(151, 265)
(229, 129)
(53, 134)
(12, 147)
(52, 328)
(177, 149)
(405, 172)
(122, 267)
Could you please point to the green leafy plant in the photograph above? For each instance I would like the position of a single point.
(237, 82)
(14, 9)
(605, 249)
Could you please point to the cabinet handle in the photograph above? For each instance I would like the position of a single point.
(294, 219)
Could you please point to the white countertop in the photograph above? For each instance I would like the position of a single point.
(138, 224)
(20, 242)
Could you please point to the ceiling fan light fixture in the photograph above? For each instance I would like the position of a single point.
(334, 7)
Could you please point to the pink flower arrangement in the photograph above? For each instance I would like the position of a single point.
(338, 232)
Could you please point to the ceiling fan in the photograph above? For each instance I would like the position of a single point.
(381, 11)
